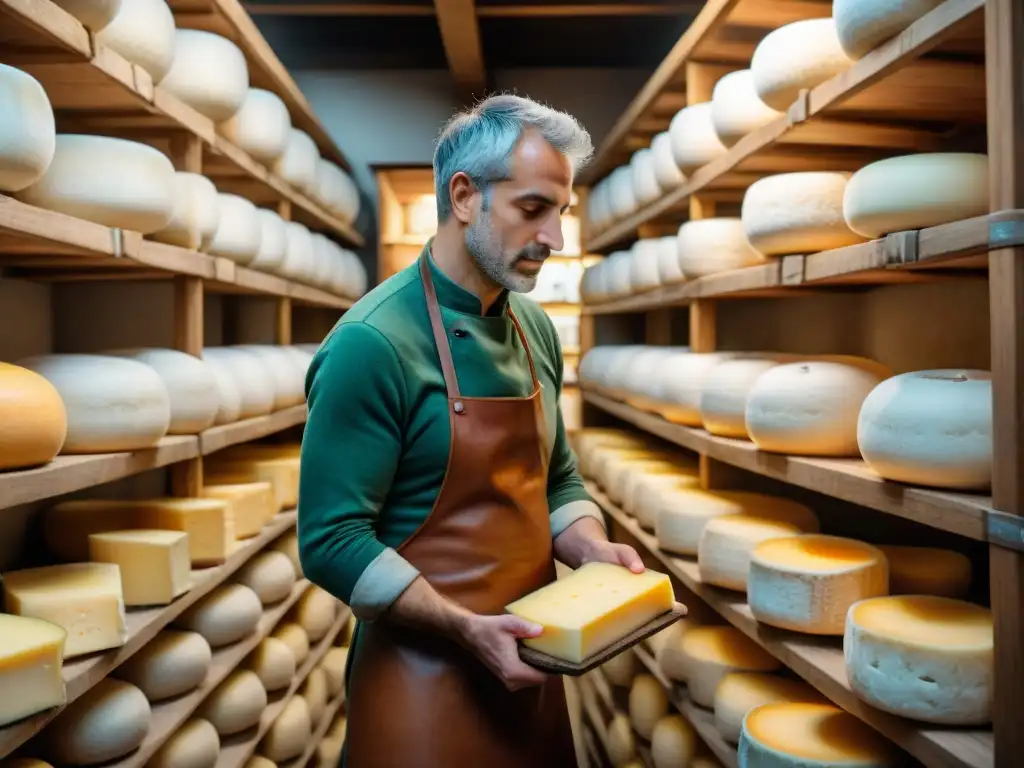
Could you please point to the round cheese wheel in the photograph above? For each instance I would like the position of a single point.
(740, 692)
(333, 665)
(255, 388)
(299, 258)
(112, 404)
(797, 213)
(611, 464)
(723, 397)
(273, 242)
(94, 14)
(289, 545)
(597, 205)
(930, 428)
(682, 381)
(278, 370)
(270, 575)
(808, 583)
(209, 74)
(261, 126)
(35, 421)
(298, 164)
(623, 477)
(315, 612)
(648, 703)
(170, 664)
(196, 213)
(723, 553)
(295, 637)
(621, 741)
(707, 246)
(810, 408)
(923, 657)
(670, 271)
(736, 109)
(105, 723)
(238, 230)
(811, 736)
(795, 57)
(621, 668)
(673, 742)
(645, 181)
(916, 191)
(619, 282)
(707, 654)
(623, 198)
(28, 134)
(194, 745)
(228, 395)
(258, 761)
(863, 25)
(927, 571)
(641, 381)
(654, 491)
(273, 663)
(694, 141)
(644, 273)
(113, 182)
(314, 691)
(236, 704)
(289, 733)
(142, 32)
(224, 616)
(665, 169)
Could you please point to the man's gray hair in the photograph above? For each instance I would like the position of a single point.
(478, 142)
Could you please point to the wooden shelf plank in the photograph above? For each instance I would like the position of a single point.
(216, 438)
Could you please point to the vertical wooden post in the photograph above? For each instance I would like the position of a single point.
(187, 476)
(284, 209)
(187, 153)
(283, 321)
(701, 78)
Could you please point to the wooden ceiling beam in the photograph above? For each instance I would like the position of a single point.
(560, 10)
(460, 36)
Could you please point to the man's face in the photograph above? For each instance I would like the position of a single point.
(518, 222)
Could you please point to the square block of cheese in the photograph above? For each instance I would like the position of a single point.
(155, 565)
(252, 505)
(31, 658)
(592, 608)
(281, 473)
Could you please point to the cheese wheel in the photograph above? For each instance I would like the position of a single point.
(644, 274)
(666, 649)
(623, 198)
(238, 230)
(708, 246)
(236, 704)
(194, 745)
(736, 109)
(255, 388)
(315, 612)
(295, 637)
(723, 397)
(916, 191)
(333, 665)
(142, 32)
(273, 663)
(682, 381)
(645, 182)
(694, 141)
(666, 171)
(930, 428)
(196, 213)
(810, 736)
(289, 383)
(94, 14)
(328, 752)
(258, 761)
(621, 669)
(621, 741)
(673, 742)
(927, 571)
(795, 57)
(112, 404)
(726, 543)
(34, 418)
(797, 213)
(28, 134)
(270, 575)
(863, 25)
(314, 691)
(273, 242)
(209, 74)
(105, 723)
(740, 692)
(810, 408)
(299, 252)
(648, 703)
(643, 494)
(289, 733)
(288, 543)
(670, 271)
(620, 473)
(298, 164)
(229, 398)
(169, 665)
(261, 126)
(113, 182)
(643, 379)
(923, 657)
(224, 616)
(707, 654)
(808, 583)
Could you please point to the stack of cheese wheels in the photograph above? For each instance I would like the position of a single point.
(617, 371)
(299, 254)
(624, 475)
(652, 491)
(592, 440)
(34, 418)
(171, 664)
(707, 654)
(811, 408)
(930, 428)
(796, 57)
(238, 230)
(644, 269)
(28, 135)
(740, 692)
(255, 388)
(916, 191)
(808, 583)
(142, 32)
(797, 213)
(195, 744)
(113, 182)
(736, 109)
(224, 616)
(298, 164)
(682, 380)
(621, 194)
(236, 704)
(666, 170)
(94, 14)
(105, 723)
(670, 271)
(707, 246)
(610, 464)
(290, 732)
(261, 126)
(694, 141)
(621, 740)
(811, 736)
(648, 703)
(673, 742)
(642, 382)
(279, 368)
(196, 213)
(645, 182)
(923, 657)
(209, 74)
(617, 283)
(723, 397)
(863, 25)
(927, 571)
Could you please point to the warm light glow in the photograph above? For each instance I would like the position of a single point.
(421, 216)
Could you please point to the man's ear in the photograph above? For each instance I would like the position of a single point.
(465, 197)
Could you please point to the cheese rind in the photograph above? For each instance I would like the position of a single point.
(795, 57)
(736, 109)
(142, 32)
(273, 662)
(723, 554)
(314, 691)
(289, 733)
(710, 653)
(334, 665)
(621, 669)
(295, 638)
(31, 659)
(224, 616)
(315, 612)
(35, 421)
(723, 397)
(28, 137)
(708, 246)
(648, 703)
(270, 575)
(673, 742)
(252, 505)
(621, 741)
(694, 141)
(106, 723)
(261, 126)
(236, 704)
(863, 25)
(740, 692)
(927, 571)
(208, 73)
(194, 745)
(169, 665)
(155, 566)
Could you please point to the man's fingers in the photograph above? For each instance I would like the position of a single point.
(520, 627)
(629, 558)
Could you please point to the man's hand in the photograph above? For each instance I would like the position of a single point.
(493, 639)
(586, 542)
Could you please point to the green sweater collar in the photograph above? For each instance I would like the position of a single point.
(453, 296)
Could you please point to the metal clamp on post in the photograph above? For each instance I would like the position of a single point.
(901, 248)
(1006, 229)
(791, 270)
(1005, 530)
(800, 109)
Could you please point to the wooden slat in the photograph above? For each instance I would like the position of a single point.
(460, 36)
(217, 438)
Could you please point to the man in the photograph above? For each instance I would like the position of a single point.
(437, 483)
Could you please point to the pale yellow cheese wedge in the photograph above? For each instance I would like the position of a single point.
(710, 653)
(282, 473)
(252, 505)
(155, 565)
(927, 571)
(740, 692)
(31, 659)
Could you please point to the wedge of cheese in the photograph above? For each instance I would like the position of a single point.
(154, 564)
(282, 474)
(31, 658)
(592, 608)
(252, 505)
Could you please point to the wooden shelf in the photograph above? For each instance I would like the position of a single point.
(83, 673)
(216, 438)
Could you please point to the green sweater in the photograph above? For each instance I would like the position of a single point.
(376, 442)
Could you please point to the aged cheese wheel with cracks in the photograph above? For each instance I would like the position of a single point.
(708, 246)
(923, 657)
(28, 134)
(295, 637)
(740, 692)
(726, 542)
(927, 571)
(694, 141)
(665, 169)
(236, 704)
(673, 742)
(915, 192)
(105, 723)
(621, 195)
(35, 422)
(795, 57)
(930, 428)
(736, 109)
(707, 654)
(797, 213)
(169, 665)
(194, 745)
(863, 25)
(142, 32)
(224, 616)
(315, 612)
(298, 164)
(112, 404)
(256, 389)
(644, 271)
(270, 575)
(290, 732)
(238, 230)
(811, 408)
(648, 703)
(621, 669)
(94, 14)
(645, 182)
(209, 74)
(273, 663)
(261, 126)
(808, 583)
(113, 182)
(621, 741)
(682, 383)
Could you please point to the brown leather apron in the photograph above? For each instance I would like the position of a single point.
(417, 700)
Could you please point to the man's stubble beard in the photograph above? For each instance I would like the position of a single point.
(487, 253)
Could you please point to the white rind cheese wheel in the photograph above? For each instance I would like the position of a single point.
(723, 553)
(681, 382)
(930, 428)
(270, 575)
(236, 704)
(194, 745)
(923, 657)
(644, 274)
(673, 742)
(196, 213)
(648, 703)
(694, 141)
(797, 213)
(273, 242)
(621, 194)
(299, 254)
(261, 126)
(256, 390)
(736, 109)
(315, 612)
(708, 246)
(916, 191)
(142, 32)
(795, 57)
(289, 383)
(808, 583)
(238, 230)
(274, 664)
(290, 732)
(740, 692)
(791, 735)
(651, 493)
(94, 14)
(723, 398)
(707, 654)
(669, 269)
(665, 169)
(169, 665)
(810, 408)
(225, 616)
(295, 637)
(112, 404)
(863, 25)
(28, 134)
(645, 181)
(298, 164)
(228, 394)
(34, 418)
(209, 74)
(621, 669)
(314, 691)
(621, 741)
(927, 571)
(107, 722)
(113, 182)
